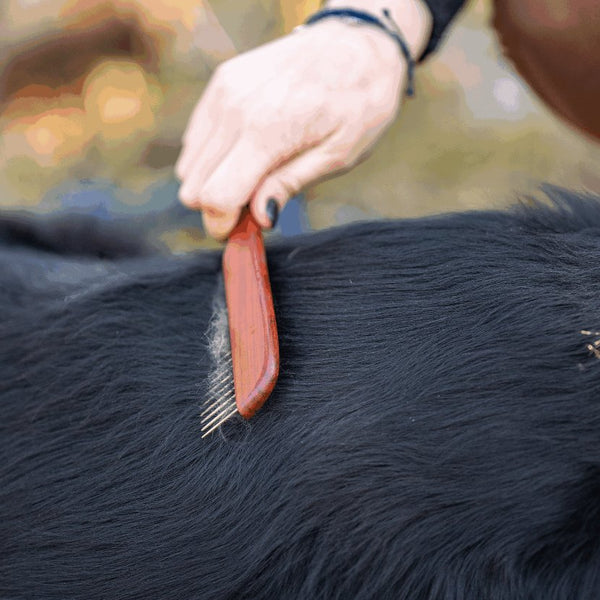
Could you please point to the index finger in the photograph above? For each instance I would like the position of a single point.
(232, 183)
(203, 122)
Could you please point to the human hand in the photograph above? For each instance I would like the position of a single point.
(286, 115)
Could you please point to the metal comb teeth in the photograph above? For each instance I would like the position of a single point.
(224, 413)
(220, 405)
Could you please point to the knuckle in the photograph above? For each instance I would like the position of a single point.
(290, 185)
(211, 202)
(185, 196)
(224, 75)
(338, 160)
(213, 213)
(180, 171)
(258, 129)
(342, 154)
(219, 73)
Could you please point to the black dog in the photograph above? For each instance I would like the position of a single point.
(435, 431)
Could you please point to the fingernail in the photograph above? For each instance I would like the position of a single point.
(272, 211)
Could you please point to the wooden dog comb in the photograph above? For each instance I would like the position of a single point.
(252, 327)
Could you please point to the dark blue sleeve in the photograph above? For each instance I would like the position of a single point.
(443, 11)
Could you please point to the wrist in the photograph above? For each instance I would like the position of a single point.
(412, 17)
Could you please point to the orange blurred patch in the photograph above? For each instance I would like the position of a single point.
(156, 14)
(295, 12)
(49, 138)
(119, 100)
(117, 106)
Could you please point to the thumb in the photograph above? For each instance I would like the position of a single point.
(287, 180)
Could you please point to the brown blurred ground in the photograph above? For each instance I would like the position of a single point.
(100, 90)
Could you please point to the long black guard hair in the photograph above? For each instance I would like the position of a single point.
(434, 433)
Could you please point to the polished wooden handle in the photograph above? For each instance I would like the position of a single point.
(252, 325)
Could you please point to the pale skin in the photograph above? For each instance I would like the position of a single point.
(295, 111)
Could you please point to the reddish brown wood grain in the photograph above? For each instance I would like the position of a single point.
(252, 325)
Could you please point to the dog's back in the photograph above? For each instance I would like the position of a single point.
(434, 432)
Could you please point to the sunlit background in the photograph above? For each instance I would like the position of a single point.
(95, 94)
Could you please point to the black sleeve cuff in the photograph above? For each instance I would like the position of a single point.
(442, 11)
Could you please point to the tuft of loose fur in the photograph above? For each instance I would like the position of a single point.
(220, 397)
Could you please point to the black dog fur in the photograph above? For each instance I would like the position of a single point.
(434, 434)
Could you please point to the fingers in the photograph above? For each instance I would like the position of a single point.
(247, 171)
(207, 107)
(194, 161)
(236, 176)
(286, 181)
(228, 188)
(208, 142)
(200, 161)
(201, 129)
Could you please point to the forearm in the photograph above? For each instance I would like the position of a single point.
(422, 22)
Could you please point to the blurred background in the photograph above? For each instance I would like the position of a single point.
(95, 94)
